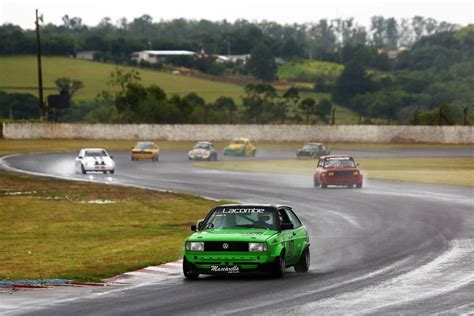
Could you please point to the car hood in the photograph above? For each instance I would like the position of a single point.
(254, 235)
(341, 169)
(144, 150)
(199, 151)
(92, 160)
(235, 146)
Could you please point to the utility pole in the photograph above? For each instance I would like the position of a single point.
(42, 111)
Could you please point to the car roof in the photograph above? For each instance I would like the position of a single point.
(203, 142)
(313, 144)
(335, 156)
(242, 138)
(95, 149)
(253, 205)
(144, 142)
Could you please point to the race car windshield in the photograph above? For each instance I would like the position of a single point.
(241, 218)
(339, 163)
(309, 147)
(202, 146)
(145, 146)
(96, 153)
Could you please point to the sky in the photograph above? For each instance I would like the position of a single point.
(21, 12)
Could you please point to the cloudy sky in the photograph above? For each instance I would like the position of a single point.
(21, 12)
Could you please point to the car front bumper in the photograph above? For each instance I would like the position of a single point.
(144, 155)
(99, 168)
(225, 264)
(342, 180)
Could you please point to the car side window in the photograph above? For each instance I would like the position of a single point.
(293, 218)
(320, 163)
(283, 216)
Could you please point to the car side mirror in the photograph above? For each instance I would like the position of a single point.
(80, 157)
(198, 225)
(111, 157)
(193, 228)
(286, 226)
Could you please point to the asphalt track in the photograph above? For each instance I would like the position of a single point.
(388, 248)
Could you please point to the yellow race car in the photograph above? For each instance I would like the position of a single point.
(240, 147)
(145, 150)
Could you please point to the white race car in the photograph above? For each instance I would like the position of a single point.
(94, 159)
(203, 150)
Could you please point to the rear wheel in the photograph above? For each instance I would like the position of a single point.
(304, 262)
(188, 270)
(83, 170)
(279, 266)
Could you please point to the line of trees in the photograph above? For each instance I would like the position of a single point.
(116, 40)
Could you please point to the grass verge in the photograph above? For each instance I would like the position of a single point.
(85, 231)
(9, 146)
(447, 171)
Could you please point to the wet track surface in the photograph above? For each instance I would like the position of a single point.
(387, 248)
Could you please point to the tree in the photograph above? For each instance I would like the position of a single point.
(352, 81)
(308, 106)
(259, 103)
(69, 86)
(262, 62)
(292, 97)
(228, 104)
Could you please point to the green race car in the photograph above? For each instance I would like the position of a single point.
(245, 239)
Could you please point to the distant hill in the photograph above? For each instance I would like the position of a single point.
(19, 74)
(308, 71)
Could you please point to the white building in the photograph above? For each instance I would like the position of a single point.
(157, 56)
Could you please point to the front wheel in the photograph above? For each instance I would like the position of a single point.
(359, 185)
(323, 185)
(188, 270)
(83, 170)
(279, 266)
(112, 171)
(304, 262)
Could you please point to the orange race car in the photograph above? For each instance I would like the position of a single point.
(145, 150)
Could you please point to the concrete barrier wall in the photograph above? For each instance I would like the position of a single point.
(277, 133)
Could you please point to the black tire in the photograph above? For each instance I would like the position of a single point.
(112, 171)
(254, 153)
(279, 266)
(304, 262)
(316, 185)
(323, 185)
(104, 172)
(359, 185)
(188, 270)
(215, 157)
(83, 170)
(131, 158)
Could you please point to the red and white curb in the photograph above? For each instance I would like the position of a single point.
(149, 274)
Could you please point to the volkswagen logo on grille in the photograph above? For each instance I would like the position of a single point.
(225, 245)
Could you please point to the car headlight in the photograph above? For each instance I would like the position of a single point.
(257, 246)
(206, 154)
(330, 173)
(191, 153)
(355, 173)
(195, 246)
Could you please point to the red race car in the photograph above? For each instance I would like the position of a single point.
(337, 170)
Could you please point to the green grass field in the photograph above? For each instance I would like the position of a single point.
(57, 229)
(447, 171)
(307, 70)
(20, 71)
